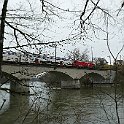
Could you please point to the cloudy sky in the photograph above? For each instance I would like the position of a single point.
(67, 25)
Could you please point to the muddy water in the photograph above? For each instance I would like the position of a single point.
(95, 105)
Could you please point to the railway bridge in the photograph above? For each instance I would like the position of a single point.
(69, 77)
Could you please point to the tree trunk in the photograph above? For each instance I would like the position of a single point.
(2, 27)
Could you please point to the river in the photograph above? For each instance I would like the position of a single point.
(62, 106)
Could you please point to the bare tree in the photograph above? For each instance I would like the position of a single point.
(27, 26)
(76, 54)
(100, 61)
(2, 27)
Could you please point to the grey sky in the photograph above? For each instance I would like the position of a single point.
(62, 29)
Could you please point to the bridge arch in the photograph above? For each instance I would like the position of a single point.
(54, 78)
(94, 75)
(61, 75)
(92, 78)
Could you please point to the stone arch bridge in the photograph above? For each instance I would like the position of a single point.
(27, 72)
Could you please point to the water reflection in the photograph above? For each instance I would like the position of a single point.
(4, 99)
(17, 105)
(65, 106)
(40, 95)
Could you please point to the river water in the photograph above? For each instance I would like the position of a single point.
(87, 105)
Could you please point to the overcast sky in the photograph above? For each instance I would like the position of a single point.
(63, 28)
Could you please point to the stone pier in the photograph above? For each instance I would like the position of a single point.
(21, 87)
(72, 84)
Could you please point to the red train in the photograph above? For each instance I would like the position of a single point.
(81, 64)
